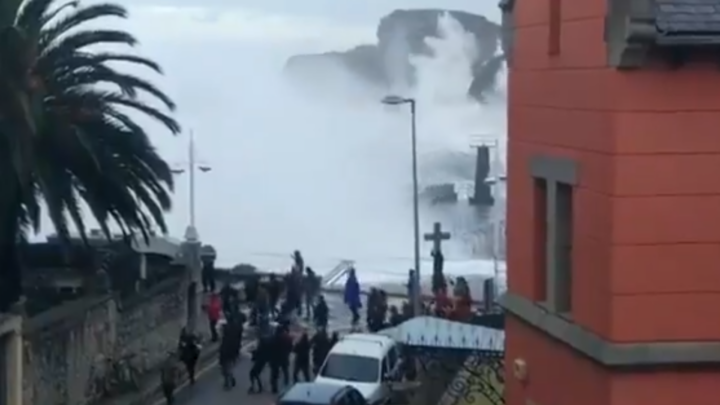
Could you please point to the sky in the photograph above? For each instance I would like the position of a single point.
(328, 175)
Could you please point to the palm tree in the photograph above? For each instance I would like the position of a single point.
(65, 141)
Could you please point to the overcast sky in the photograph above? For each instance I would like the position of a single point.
(289, 172)
(302, 24)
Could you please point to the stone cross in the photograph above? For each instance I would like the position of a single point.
(437, 236)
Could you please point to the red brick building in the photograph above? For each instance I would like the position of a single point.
(614, 202)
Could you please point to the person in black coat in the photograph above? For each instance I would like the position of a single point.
(230, 298)
(208, 276)
(310, 289)
(395, 317)
(169, 376)
(228, 355)
(321, 345)
(189, 352)
(302, 358)
(293, 291)
(321, 313)
(274, 290)
(260, 357)
(298, 261)
(438, 277)
(238, 322)
(375, 315)
(280, 358)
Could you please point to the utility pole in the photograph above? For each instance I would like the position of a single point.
(416, 299)
(191, 163)
(497, 214)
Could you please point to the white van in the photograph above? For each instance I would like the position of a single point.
(365, 362)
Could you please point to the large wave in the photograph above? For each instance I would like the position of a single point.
(327, 174)
(347, 157)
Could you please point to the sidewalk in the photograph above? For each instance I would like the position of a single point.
(150, 390)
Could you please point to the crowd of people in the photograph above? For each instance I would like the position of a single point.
(274, 305)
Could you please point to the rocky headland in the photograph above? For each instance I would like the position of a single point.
(403, 34)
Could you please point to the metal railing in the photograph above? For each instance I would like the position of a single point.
(331, 278)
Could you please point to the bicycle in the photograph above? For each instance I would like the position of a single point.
(122, 376)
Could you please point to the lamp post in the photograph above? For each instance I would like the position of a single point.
(191, 246)
(397, 100)
(192, 165)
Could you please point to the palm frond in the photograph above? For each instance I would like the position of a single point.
(55, 29)
(77, 41)
(82, 143)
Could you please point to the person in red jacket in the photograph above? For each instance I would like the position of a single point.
(214, 309)
(443, 304)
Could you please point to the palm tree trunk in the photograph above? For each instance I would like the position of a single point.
(10, 269)
(8, 10)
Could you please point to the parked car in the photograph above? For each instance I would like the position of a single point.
(366, 362)
(314, 393)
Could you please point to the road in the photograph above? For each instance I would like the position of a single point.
(208, 388)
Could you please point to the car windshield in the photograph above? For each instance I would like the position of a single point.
(349, 367)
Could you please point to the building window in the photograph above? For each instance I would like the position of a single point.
(563, 248)
(540, 239)
(554, 180)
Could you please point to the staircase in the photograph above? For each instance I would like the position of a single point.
(330, 280)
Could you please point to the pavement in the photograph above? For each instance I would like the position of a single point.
(208, 389)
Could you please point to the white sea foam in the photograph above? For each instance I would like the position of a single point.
(330, 177)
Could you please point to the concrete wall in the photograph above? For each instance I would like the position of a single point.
(67, 348)
(10, 359)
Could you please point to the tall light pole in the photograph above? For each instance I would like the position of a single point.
(191, 246)
(192, 165)
(397, 100)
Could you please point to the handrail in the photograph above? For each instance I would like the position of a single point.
(338, 271)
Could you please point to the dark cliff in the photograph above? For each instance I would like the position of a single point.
(401, 34)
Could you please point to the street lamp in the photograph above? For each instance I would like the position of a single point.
(191, 166)
(191, 246)
(397, 100)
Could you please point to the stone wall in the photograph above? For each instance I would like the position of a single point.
(477, 383)
(68, 348)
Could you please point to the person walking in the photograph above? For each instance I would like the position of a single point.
(321, 314)
(228, 355)
(260, 357)
(279, 358)
(302, 358)
(189, 352)
(214, 309)
(169, 376)
(274, 289)
(352, 296)
(230, 298)
(238, 321)
(311, 289)
(320, 345)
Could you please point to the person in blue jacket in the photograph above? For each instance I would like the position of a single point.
(352, 296)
